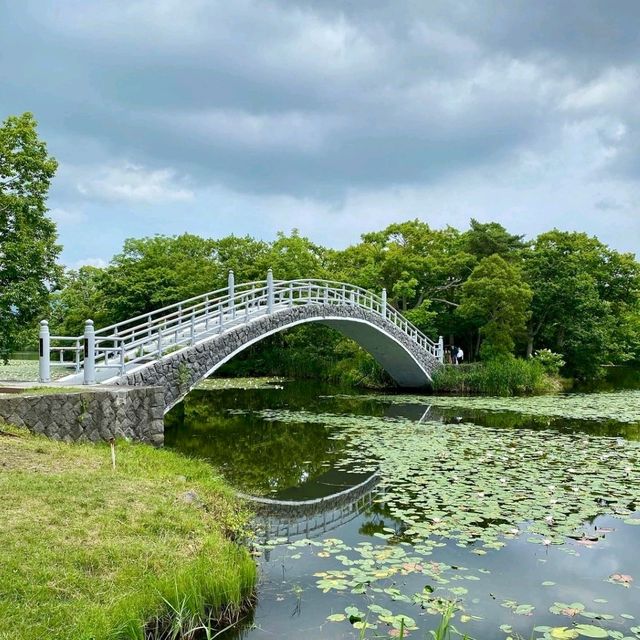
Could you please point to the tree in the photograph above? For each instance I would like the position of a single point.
(496, 299)
(585, 296)
(81, 297)
(28, 249)
(242, 254)
(484, 239)
(294, 256)
(154, 272)
(412, 261)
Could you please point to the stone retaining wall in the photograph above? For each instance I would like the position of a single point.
(93, 415)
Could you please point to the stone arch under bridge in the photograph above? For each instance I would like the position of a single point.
(178, 346)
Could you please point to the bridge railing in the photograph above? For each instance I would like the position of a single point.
(151, 335)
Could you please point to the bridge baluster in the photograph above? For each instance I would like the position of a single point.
(383, 308)
(270, 291)
(45, 352)
(232, 293)
(122, 355)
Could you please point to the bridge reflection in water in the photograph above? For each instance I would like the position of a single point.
(288, 520)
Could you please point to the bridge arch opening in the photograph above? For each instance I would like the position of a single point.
(389, 352)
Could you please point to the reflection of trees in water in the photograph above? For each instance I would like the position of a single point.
(262, 457)
(378, 516)
(515, 420)
(256, 455)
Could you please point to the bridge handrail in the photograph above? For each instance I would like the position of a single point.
(177, 305)
(151, 334)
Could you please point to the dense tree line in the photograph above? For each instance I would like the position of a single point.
(485, 289)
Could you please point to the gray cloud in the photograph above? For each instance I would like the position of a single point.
(330, 105)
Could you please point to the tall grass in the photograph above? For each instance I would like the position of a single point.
(212, 593)
(499, 377)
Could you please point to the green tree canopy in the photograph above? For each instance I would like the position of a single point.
(496, 299)
(585, 296)
(153, 272)
(81, 297)
(294, 256)
(576, 296)
(484, 239)
(28, 248)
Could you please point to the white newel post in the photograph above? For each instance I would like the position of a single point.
(383, 307)
(89, 353)
(441, 349)
(45, 352)
(232, 286)
(123, 356)
(270, 291)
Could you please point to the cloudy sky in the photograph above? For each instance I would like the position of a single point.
(253, 116)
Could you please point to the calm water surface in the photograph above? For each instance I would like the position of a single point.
(305, 441)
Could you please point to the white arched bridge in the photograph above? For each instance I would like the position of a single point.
(177, 346)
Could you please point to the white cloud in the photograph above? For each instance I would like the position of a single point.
(614, 88)
(88, 262)
(133, 183)
(67, 216)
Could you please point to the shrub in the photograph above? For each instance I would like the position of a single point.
(550, 361)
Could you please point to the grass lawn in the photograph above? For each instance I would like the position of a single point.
(89, 552)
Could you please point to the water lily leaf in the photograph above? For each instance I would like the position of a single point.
(591, 631)
(364, 625)
(563, 633)
(337, 617)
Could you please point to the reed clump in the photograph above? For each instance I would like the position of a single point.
(498, 377)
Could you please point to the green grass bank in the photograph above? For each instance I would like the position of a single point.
(87, 551)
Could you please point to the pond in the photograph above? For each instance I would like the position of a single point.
(517, 517)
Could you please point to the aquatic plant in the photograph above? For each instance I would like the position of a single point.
(480, 489)
(505, 376)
